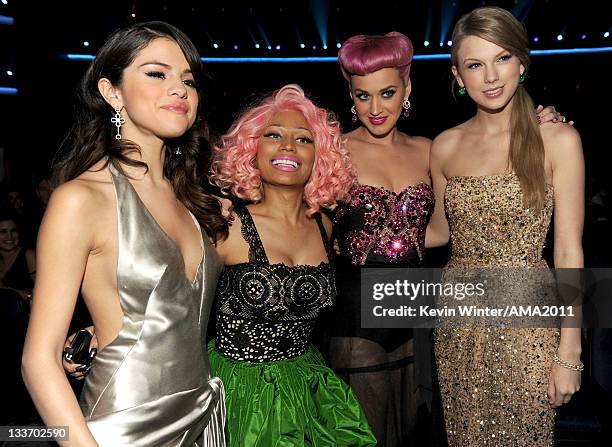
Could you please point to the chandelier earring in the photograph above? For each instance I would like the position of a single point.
(406, 106)
(354, 113)
(118, 121)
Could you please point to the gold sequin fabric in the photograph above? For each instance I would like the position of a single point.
(493, 380)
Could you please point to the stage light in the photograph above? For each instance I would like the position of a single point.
(9, 72)
(235, 47)
(302, 45)
(536, 39)
(85, 43)
(559, 36)
(133, 15)
(257, 45)
(607, 34)
(441, 44)
(338, 45)
(5, 2)
(269, 47)
(325, 47)
(449, 43)
(426, 43)
(314, 47)
(215, 45)
(278, 47)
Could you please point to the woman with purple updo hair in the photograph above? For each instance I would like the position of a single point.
(381, 224)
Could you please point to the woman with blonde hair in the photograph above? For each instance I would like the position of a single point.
(499, 177)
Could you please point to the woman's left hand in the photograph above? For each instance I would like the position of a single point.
(550, 114)
(563, 383)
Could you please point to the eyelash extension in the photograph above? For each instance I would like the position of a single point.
(155, 74)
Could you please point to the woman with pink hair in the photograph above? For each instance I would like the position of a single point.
(285, 157)
(383, 223)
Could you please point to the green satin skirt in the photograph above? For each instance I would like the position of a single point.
(294, 402)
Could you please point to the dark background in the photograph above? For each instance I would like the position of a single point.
(33, 122)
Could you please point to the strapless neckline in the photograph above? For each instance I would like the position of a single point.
(382, 188)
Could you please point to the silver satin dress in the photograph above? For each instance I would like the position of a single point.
(152, 385)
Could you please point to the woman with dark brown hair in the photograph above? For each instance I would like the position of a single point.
(131, 228)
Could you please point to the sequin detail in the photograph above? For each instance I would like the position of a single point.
(494, 381)
(266, 312)
(393, 225)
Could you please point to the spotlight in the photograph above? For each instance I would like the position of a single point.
(269, 47)
(133, 15)
(441, 44)
(278, 47)
(536, 39)
(338, 45)
(5, 2)
(559, 36)
(607, 34)
(325, 47)
(302, 45)
(583, 37)
(449, 43)
(235, 47)
(9, 72)
(257, 45)
(426, 43)
(314, 47)
(85, 43)
(215, 45)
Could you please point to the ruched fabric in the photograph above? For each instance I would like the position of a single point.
(292, 402)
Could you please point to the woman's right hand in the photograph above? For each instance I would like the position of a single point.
(76, 370)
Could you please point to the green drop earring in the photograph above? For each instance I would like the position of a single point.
(462, 91)
(522, 78)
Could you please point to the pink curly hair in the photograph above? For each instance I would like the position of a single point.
(234, 166)
(362, 55)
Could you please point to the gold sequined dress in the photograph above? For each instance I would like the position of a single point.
(494, 380)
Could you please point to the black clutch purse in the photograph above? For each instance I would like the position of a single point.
(79, 351)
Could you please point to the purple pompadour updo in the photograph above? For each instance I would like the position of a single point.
(361, 55)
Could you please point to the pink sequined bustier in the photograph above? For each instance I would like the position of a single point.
(381, 225)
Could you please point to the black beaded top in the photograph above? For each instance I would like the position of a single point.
(266, 312)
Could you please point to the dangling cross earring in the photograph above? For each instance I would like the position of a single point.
(354, 112)
(462, 91)
(117, 120)
(406, 106)
(178, 151)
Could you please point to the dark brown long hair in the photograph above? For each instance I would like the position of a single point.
(526, 146)
(92, 139)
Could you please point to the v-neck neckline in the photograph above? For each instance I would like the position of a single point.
(167, 236)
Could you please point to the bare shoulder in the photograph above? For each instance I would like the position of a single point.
(561, 142)
(85, 202)
(86, 192)
(559, 133)
(422, 144)
(445, 144)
